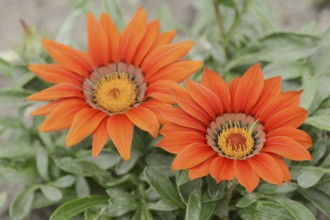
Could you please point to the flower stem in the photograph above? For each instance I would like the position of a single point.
(229, 193)
(219, 20)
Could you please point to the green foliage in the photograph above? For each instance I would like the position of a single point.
(75, 186)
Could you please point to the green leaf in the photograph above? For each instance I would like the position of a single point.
(215, 191)
(76, 206)
(142, 213)
(319, 150)
(263, 210)
(14, 150)
(287, 70)
(275, 189)
(228, 3)
(207, 210)
(162, 185)
(182, 177)
(14, 98)
(22, 204)
(42, 162)
(51, 193)
(161, 205)
(247, 200)
(64, 181)
(64, 34)
(113, 8)
(82, 187)
(309, 87)
(3, 199)
(296, 209)
(124, 167)
(320, 199)
(320, 121)
(310, 177)
(194, 206)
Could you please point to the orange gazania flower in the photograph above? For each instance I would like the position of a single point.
(243, 129)
(105, 92)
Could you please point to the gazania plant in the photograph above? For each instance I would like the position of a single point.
(222, 117)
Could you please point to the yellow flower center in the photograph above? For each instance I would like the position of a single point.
(236, 142)
(115, 92)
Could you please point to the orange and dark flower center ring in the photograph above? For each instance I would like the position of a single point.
(235, 136)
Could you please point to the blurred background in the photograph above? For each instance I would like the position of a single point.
(48, 16)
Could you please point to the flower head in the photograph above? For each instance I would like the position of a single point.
(105, 92)
(243, 129)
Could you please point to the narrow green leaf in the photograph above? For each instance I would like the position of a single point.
(14, 150)
(3, 199)
(207, 210)
(51, 193)
(309, 87)
(64, 181)
(194, 206)
(14, 98)
(162, 205)
(82, 187)
(162, 185)
(320, 121)
(310, 177)
(275, 189)
(247, 200)
(22, 204)
(76, 206)
(296, 209)
(182, 177)
(318, 198)
(64, 34)
(42, 162)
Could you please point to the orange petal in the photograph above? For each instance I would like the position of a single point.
(113, 36)
(84, 123)
(192, 155)
(284, 100)
(100, 138)
(205, 98)
(61, 90)
(232, 89)
(249, 89)
(146, 43)
(284, 167)
(272, 88)
(62, 116)
(286, 147)
(295, 134)
(55, 74)
(193, 109)
(164, 55)
(145, 119)
(177, 71)
(202, 169)
(156, 107)
(69, 58)
(179, 117)
(97, 41)
(222, 169)
(163, 39)
(168, 129)
(245, 175)
(217, 84)
(266, 168)
(177, 140)
(133, 35)
(163, 91)
(288, 117)
(120, 130)
(48, 108)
